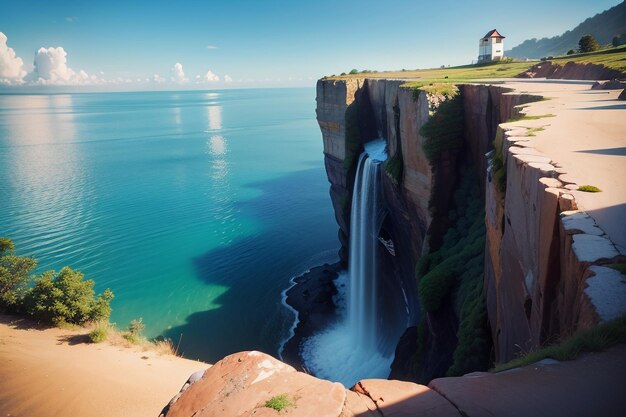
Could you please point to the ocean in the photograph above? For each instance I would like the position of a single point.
(195, 207)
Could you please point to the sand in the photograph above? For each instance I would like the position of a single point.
(54, 372)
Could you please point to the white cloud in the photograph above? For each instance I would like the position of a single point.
(11, 71)
(50, 67)
(210, 76)
(228, 79)
(211, 47)
(178, 75)
(157, 78)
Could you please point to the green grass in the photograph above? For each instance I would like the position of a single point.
(596, 339)
(533, 130)
(614, 58)
(99, 333)
(589, 189)
(279, 402)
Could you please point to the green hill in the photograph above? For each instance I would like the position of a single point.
(603, 26)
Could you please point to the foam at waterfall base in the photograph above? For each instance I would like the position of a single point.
(376, 149)
(334, 355)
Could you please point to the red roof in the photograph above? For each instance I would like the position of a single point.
(493, 34)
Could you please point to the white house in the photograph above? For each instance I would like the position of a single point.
(491, 47)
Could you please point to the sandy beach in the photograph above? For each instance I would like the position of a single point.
(53, 372)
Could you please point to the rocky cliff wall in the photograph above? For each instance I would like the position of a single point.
(544, 257)
(542, 278)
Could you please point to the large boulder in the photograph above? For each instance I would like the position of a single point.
(256, 384)
(241, 384)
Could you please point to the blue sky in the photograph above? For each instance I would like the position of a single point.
(278, 42)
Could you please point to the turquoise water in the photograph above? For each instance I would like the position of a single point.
(195, 208)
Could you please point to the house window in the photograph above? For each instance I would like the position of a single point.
(498, 40)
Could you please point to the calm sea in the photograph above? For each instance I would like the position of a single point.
(196, 208)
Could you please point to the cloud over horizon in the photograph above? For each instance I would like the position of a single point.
(11, 66)
(50, 67)
(178, 74)
(211, 76)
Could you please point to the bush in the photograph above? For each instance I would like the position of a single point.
(588, 44)
(136, 327)
(14, 276)
(65, 297)
(99, 333)
(353, 71)
(571, 52)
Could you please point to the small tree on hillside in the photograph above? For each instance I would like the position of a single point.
(618, 40)
(588, 44)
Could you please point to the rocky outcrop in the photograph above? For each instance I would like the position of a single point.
(541, 253)
(253, 383)
(571, 71)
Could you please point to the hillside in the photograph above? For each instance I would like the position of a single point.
(603, 26)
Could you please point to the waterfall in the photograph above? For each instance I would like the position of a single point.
(363, 266)
(357, 347)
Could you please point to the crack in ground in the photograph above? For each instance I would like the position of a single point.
(360, 389)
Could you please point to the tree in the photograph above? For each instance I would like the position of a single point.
(64, 297)
(14, 275)
(618, 40)
(588, 44)
(354, 71)
(571, 52)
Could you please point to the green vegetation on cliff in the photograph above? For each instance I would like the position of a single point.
(454, 273)
(444, 129)
(53, 297)
(595, 339)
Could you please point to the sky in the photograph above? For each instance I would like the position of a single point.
(143, 45)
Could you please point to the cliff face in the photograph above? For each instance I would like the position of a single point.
(538, 259)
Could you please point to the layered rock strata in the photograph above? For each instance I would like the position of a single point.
(537, 265)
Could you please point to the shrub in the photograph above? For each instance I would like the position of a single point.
(571, 52)
(354, 71)
(99, 333)
(279, 402)
(136, 327)
(64, 297)
(589, 189)
(14, 276)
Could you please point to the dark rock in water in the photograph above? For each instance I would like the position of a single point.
(402, 366)
(312, 298)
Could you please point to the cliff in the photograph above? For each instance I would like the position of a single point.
(538, 265)
(252, 383)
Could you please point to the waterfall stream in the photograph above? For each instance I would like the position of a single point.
(356, 347)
